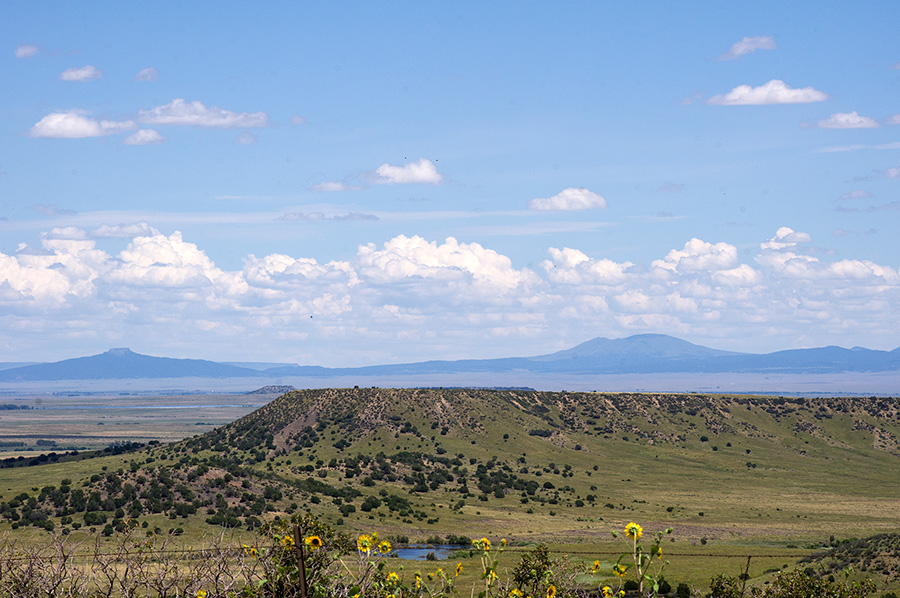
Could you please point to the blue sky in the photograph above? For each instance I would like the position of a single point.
(356, 183)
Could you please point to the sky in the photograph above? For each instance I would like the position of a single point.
(359, 183)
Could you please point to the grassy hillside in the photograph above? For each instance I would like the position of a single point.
(557, 467)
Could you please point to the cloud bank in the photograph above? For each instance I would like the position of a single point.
(162, 287)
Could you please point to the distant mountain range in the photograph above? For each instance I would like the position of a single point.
(639, 354)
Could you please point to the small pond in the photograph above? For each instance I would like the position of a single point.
(419, 552)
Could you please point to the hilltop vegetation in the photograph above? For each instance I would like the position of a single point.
(418, 463)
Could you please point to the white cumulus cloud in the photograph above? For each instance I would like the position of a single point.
(145, 137)
(420, 171)
(573, 267)
(74, 125)
(748, 45)
(786, 237)
(404, 258)
(699, 255)
(180, 112)
(569, 199)
(847, 120)
(84, 73)
(773, 92)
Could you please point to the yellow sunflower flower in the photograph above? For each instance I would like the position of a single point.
(393, 578)
(418, 581)
(364, 543)
(517, 593)
(459, 568)
(596, 566)
(384, 547)
(551, 591)
(287, 541)
(620, 570)
(607, 591)
(313, 542)
(634, 531)
(202, 594)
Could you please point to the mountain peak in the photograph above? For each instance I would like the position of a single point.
(120, 352)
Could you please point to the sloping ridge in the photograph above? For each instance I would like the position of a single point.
(124, 363)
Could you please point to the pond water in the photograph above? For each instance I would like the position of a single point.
(418, 552)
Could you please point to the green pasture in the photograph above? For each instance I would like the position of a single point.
(736, 477)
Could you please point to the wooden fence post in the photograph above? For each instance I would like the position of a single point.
(301, 561)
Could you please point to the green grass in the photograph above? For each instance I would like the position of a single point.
(816, 468)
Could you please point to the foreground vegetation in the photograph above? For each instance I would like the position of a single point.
(308, 559)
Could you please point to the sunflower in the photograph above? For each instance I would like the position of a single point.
(517, 593)
(287, 541)
(551, 591)
(607, 591)
(384, 547)
(620, 570)
(634, 531)
(393, 578)
(418, 581)
(459, 568)
(364, 543)
(313, 542)
(596, 566)
(202, 594)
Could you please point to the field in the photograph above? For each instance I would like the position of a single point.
(85, 421)
(772, 478)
